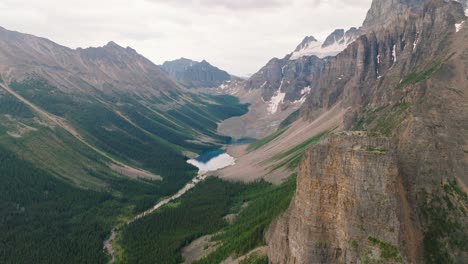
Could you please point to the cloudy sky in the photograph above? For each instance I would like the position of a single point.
(239, 36)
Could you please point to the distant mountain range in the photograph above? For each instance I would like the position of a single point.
(193, 74)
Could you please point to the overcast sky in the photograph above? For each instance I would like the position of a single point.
(239, 36)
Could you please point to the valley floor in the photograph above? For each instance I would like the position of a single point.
(252, 165)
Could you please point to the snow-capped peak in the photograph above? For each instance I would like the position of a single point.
(334, 44)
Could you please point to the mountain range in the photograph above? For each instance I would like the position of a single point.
(194, 74)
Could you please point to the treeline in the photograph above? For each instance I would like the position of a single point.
(44, 220)
(265, 203)
(160, 237)
(10, 106)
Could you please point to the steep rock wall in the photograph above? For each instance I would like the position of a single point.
(347, 195)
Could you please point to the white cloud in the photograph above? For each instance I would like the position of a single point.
(239, 36)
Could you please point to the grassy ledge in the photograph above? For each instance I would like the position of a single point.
(417, 77)
(292, 157)
(262, 142)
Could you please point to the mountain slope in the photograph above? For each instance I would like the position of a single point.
(82, 70)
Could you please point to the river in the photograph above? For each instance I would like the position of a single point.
(208, 161)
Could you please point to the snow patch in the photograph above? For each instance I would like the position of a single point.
(301, 101)
(276, 100)
(304, 92)
(459, 26)
(394, 55)
(316, 48)
(282, 69)
(416, 41)
(308, 50)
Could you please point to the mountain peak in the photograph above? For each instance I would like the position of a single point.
(306, 42)
(182, 59)
(384, 12)
(335, 36)
(204, 62)
(114, 45)
(110, 48)
(336, 42)
(195, 74)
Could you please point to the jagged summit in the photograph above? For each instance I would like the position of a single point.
(336, 42)
(307, 40)
(112, 44)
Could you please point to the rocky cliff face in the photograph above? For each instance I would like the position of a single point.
(280, 76)
(367, 72)
(385, 12)
(405, 79)
(347, 196)
(196, 74)
(282, 86)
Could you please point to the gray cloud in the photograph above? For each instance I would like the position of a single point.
(239, 36)
(263, 4)
(230, 4)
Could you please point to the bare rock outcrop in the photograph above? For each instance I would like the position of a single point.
(347, 199)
